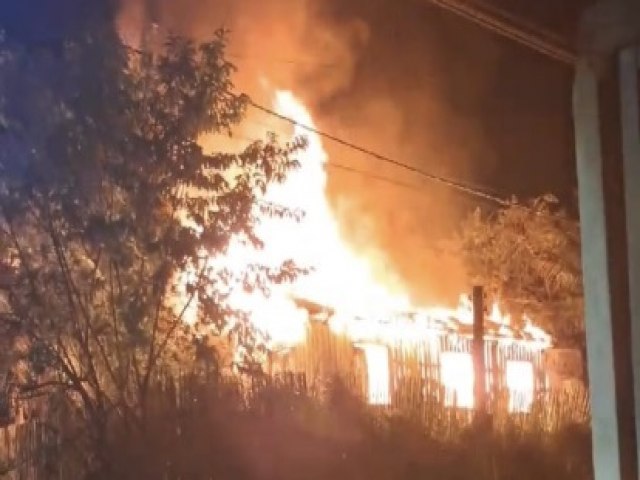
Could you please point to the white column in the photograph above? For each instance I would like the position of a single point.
(598, 316)
(630, 121)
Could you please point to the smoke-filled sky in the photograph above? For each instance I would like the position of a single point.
(405, 79)
(413, 82)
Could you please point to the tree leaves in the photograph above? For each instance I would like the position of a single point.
(114, 199)
(528, 256)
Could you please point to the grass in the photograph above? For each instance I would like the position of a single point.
(209, 427)
(276, 432)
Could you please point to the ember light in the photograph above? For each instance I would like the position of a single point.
(520, 382)
(377, 359)
(456, 373)
(372, 311)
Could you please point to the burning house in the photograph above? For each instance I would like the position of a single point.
(428, 351)
(357, 325)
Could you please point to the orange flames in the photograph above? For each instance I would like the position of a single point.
(339, 277)
(367, 310)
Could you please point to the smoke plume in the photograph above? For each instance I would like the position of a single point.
(366, 71)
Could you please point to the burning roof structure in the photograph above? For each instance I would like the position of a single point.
(416, 324)
(431, 348)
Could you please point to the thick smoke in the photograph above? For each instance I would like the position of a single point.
(288, 43)
(367, 73)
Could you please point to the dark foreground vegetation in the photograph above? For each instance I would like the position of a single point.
(207, 428)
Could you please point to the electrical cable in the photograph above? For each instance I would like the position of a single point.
(507, 29)
(354, 170)
(455, 184)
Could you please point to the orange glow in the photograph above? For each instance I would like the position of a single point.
(340, 278)
(537, 333)
(378, 384)
(456, 371)
(520, 382)
(496, 315)
(374, 313)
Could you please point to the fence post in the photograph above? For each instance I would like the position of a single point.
(479, 365)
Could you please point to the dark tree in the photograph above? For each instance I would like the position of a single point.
(106, 197)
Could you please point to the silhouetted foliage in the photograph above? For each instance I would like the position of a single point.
(528, 257)
(105, 198)
(218, 433)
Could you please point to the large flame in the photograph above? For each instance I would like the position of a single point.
(339, 278)
(367, 310)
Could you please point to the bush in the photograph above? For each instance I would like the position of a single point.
(217, 430)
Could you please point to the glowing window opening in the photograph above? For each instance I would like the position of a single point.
(377, 360)
(456, 372)
(520, 382)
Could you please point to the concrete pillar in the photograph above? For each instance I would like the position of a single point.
(608, 361)
(628, 71)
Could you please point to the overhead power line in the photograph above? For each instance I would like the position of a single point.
(492, 9)
(357, 171)
(375, 176)
(505, 24)
(455, 184)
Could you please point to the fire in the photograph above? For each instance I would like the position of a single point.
(536, 332)
(367, 310)
(377, 361)
(520, 383)
(496, 315)
(339, 277)
(457, 378)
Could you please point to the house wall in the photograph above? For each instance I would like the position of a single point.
(414, 368)
(323, 358)
(418, 367)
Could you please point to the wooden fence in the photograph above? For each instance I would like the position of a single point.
(415, 383)
(324, 355)
(23, 451)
